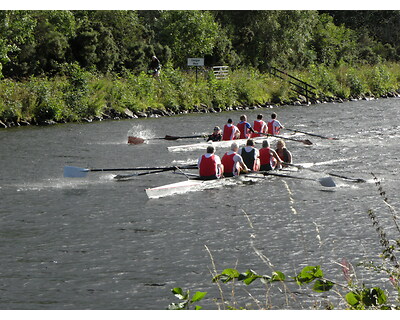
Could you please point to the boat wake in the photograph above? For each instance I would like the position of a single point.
(61, 184)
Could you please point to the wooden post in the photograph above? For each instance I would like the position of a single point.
(307, 93)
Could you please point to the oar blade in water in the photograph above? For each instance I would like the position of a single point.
(307, 142)
(135, 140)
(75, 172)
(327, 182)
(167, 137)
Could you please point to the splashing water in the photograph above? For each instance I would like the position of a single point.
(138, 130)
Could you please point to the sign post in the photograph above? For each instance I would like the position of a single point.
(195, 62)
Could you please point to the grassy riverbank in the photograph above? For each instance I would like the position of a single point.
(82, 96)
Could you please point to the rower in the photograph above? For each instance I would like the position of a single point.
(244, 127)
(233, 162)
(250, 155)
(268, 157)
(274, 126)
(210, 166)
(259, 126)
(231, 132)
(283, 153)
(216, 135)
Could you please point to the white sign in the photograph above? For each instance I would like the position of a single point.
(196, 62)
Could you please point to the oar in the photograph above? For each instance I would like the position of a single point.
(138, 140)
(312, 134)
(331, 174)
(124, 176)
(325, 182)
(305, 141)
(76, 172)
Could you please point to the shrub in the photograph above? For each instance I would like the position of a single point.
(379, 80)
(355, 83)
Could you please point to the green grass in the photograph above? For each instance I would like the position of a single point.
(81, 95)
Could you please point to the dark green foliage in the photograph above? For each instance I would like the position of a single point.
(44, 42)
(365, 298)
(309, 274)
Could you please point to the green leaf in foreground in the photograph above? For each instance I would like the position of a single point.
(367, 297)
(198, 296)
(323, 285)
(248, 277)
(277, 276)
(178, 292)
(308, 274)
(353, 298)
(227, 275)
(373, 297)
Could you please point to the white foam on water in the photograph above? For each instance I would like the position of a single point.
(63, 183)
(138, 130)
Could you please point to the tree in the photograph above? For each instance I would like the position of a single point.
(16, 29)
(187, 33)
(333, 43)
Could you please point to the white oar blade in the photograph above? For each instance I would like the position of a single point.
(75, 172)
(327, 182)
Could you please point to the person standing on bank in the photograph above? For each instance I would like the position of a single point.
(250, 156)
(244, 127)
(259, 126)
(233, 162)
(274, 126)
(210, 166)
(231, 132)
(155, 67)
(269, 159)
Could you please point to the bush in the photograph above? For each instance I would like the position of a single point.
(355, 83)
(379, 80)
(80, 94)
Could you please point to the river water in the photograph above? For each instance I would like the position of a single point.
(97, 243)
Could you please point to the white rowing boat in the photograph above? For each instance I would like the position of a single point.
(198, 185)
(188, 186)
(225, 144)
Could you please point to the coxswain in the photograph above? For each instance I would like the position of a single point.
(283, 153)
(274, 126)
(259, 126)
(233, 162)
(244, 127)
(269, 159)
(250, 155)
(210, 166)
(231, 132)
(216, 135)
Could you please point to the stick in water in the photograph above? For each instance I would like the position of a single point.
(76, 172)
(138, 140)
(305, 141)
(325, 182)
(311, 134)
(331, 174)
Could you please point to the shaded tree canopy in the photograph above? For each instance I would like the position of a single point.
(47, 42)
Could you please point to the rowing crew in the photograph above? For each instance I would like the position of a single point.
(245, 159)
(244, 130)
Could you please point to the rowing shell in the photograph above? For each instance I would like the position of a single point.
(197, 185)
(222, 144)
(188, 186)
